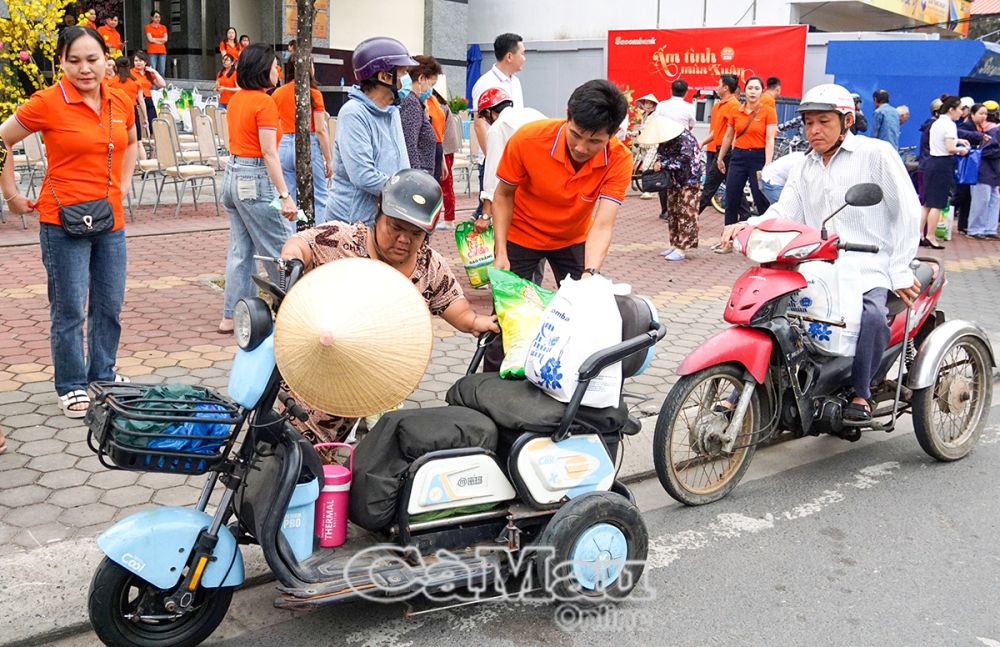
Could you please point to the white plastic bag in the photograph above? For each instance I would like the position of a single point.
(833, 292)
(581, 319)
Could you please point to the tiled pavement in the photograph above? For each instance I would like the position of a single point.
(52, 487)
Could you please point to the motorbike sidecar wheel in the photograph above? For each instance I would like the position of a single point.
(593, 549)
(949, 416)
(691, 468)
(116, 593)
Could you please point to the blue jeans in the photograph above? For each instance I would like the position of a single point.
(985, 211)
(255, 227)
(286, 153)
(771, 191)
(83, 273)
(159, 63)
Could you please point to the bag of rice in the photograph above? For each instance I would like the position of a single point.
(519, 304)
(476, 252)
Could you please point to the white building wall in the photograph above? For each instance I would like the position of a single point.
(547, 20)
(352, 22)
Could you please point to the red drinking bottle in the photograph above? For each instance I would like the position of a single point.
(331, 506)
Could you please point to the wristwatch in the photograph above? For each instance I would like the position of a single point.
(486, 216)
(593, 271)
(282, 196)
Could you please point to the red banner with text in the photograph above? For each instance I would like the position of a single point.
(649, 60)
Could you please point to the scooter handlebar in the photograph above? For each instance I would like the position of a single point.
(293, 408)
(858, 247)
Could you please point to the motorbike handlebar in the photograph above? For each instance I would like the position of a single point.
(293, 408)
(858, 247)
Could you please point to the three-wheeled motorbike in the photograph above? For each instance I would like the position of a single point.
(770, 372)
(545, 485)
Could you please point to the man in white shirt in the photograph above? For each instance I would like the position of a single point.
(677, 108)
(509, 52)
(815, 189)
(497, 109)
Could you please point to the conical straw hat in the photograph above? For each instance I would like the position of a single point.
(353, 338)
(658, 129)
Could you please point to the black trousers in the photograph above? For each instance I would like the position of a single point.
(743, 166)
(566, 261)
(713, 180)
(963, 203)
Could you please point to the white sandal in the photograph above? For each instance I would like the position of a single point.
(122, 379)
(72, 399)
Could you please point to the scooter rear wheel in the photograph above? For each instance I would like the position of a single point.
(116, 594)
(692, 467)
(949, 416)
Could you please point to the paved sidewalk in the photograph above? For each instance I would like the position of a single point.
(55, 496)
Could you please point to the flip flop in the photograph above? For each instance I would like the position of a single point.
(72, 399)
(674, 255)
(668, 251)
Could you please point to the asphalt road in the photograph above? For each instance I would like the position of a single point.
(865, 544)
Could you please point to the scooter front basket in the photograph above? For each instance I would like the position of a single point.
(176, 429)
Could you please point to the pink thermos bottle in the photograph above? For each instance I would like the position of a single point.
(331, 506)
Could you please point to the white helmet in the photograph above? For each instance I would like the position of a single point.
(827, 97)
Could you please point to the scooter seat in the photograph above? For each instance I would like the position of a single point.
(924, 274)
(518, 407)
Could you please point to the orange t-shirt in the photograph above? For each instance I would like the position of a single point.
(156, 30)
(756, 135)
(232, 50)
(437, 116)
(129, 86)
(227, 86)
(767, 100)
(284, 98)
(110, 36)
(719, 121)
(76, 144)
(144, 84)
(248, 112)
(554, 203)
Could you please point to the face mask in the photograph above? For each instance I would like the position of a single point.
(406, 88)
(426, 94)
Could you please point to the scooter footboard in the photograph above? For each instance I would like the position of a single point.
(156, 545)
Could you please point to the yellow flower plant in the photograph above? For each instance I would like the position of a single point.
(29, 33)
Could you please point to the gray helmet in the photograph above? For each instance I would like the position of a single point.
(379, 54)
(413, 196)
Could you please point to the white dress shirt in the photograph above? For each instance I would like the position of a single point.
(678, 109)
(496, 140)
(814, 191)
(942, 130)
(495, 78)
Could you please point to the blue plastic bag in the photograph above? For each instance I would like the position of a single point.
(967, 167)
(182, 432)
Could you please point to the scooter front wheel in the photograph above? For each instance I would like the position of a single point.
(127, 611)
(688, 454)
(949, 416)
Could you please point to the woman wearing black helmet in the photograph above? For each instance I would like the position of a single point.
(409, 206)
(370, 145)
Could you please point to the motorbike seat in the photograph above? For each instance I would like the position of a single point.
(924, 274)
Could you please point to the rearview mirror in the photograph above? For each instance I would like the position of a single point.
(864, 195)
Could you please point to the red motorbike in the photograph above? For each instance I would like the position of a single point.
(766, 374)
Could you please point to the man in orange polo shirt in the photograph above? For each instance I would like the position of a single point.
(771, 92)
(561, 182)
(728, 101)
(109, 32)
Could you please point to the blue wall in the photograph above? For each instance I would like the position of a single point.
(914, 73)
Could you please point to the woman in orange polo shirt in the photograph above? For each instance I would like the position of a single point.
(261, 210)
(322, 160)
(230, 44)
(90, 143)
(148, 78)
(750, 133)
(124, 81)
(225, 80)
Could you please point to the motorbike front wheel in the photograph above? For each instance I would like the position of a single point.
(949, 416)
(689, 458)
(127, 611)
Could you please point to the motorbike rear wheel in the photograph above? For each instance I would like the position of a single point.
(691, 465)
(118, 598)
(949, 416)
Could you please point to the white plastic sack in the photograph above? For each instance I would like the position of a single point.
(833, 292)
(581, 319)
(198, 100)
